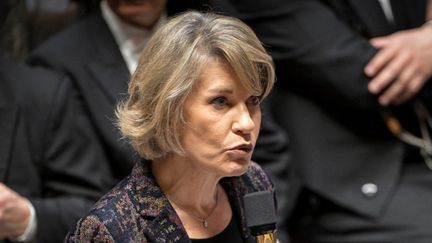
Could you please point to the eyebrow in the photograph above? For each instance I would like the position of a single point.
(221, 90)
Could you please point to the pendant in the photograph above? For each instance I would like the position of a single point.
(205, 223)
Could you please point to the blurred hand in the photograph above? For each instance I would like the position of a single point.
(14, 213)
(402, 65)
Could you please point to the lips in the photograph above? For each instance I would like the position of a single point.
(247, 148)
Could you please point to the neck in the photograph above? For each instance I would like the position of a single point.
(184, 184)
(193, 192)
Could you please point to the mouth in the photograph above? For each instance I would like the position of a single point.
(247, 148)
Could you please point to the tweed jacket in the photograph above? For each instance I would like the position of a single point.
(136, 210)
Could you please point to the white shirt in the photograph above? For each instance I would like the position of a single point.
(130, 39)
(386, 6)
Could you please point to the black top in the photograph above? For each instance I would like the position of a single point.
(230, 234)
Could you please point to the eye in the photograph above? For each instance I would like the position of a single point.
(254, 100)
(219, 102)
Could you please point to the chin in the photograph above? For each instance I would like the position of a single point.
(238, 168)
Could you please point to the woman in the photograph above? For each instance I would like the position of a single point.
(193, 113)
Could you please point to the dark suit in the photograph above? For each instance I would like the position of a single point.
(48, 153)
(341, 146)
(89, 55)
(136, 210)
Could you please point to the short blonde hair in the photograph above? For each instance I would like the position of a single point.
(170, 67)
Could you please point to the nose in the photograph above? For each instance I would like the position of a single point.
(244, 122)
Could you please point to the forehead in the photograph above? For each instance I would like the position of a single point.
(216, 75)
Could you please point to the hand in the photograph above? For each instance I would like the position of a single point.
(402, 65)
(14, 213)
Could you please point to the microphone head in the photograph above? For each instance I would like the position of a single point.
(260, 212)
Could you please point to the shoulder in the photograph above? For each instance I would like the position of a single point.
(37, 88)
(64, 39)
(44, 106)
(72, 43)
(116, 205)
(115, 216)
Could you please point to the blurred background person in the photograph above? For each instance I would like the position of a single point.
(99, 53)
(51, 167)
(351, 77)
(45, 18)
(30, 22)
(13, 42)
(193, 113)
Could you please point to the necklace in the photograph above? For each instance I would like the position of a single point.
(204, 221)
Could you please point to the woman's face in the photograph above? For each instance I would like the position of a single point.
(222, 122)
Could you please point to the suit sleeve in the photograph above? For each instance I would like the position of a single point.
(73, 168)
(321, 56)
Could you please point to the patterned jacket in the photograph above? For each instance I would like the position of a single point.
(136, 210)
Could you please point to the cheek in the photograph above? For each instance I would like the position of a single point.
(205, 137)
(211, 133)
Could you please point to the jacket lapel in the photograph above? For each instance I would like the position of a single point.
(112, 78)
(152, 204)
(165, 226)
(235, 191)
(407, 14)
(372, 16)
(8, 121)
(108, 68)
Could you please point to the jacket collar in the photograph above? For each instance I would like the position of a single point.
(154, 207)
(165, 225)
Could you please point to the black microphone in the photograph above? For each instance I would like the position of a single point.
(261, 216)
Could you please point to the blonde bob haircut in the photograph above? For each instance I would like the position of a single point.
(170, 67)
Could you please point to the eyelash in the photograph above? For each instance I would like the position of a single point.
(219, 99)
(253, 100)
